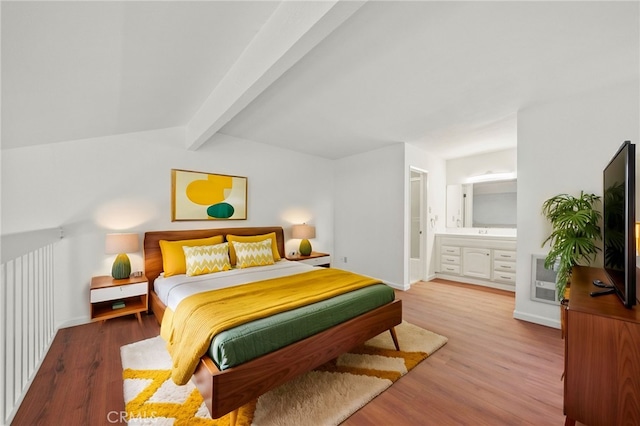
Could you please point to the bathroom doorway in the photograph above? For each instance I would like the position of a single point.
(418, 234)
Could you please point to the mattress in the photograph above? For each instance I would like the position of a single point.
(243, 343)
(171, 290)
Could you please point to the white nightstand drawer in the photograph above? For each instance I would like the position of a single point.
(450, 250)
(504, 277)
(450, 269)
(118, 292)
(500, 265)
(324, 260)
(504, 255)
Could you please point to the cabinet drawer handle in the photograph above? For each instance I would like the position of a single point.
(505, 278)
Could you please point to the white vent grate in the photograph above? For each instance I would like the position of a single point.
(543, 281)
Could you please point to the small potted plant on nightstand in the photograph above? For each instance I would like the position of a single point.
(575, 231)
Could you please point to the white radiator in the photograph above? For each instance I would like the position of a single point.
(26, 312)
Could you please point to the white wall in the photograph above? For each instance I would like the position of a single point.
(372, 210)
(123, 183)
(369, 214)
(563, 148)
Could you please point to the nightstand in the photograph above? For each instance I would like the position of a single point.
(315, 259)
(111, 298)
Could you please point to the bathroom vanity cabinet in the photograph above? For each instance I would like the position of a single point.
(481, 259)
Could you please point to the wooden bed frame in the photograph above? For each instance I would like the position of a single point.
(226, 391)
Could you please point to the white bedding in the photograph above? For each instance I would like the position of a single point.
(173, 289)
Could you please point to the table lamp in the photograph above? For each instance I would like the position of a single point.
(121, 244)
(304, 232)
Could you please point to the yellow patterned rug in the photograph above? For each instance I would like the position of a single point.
(324, 396)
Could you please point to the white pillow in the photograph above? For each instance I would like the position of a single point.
(206, 259)
(253, 253)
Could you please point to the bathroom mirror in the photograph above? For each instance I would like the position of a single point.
(482, 205)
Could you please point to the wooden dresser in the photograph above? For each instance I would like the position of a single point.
(602, 355)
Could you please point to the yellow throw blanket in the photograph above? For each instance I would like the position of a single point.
(198, 318)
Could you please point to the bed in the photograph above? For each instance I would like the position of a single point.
(225, 390)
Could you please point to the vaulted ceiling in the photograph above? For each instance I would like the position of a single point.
(325, 78)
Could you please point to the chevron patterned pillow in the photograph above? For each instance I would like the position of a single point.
(207, 259)
(253, 254)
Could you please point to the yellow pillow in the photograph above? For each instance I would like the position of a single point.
(253, 254)
(202, 260)
(173, 262)
(252, 239)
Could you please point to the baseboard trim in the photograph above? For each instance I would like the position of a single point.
(466, 280)
(403, 287)
(73, 322)
(536, 319)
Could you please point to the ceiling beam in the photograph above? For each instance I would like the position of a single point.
(293, 30)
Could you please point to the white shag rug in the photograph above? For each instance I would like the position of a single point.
(325, 396)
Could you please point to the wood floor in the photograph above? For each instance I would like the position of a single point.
(494, 370)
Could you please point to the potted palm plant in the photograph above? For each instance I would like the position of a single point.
(575, 231)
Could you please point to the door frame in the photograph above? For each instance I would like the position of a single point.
(418, 266)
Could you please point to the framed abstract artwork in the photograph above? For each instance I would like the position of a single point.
(206, 196)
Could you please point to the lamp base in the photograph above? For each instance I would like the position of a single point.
(121, 268)
(305, 247)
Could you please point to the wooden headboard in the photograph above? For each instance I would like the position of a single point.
(153, 255)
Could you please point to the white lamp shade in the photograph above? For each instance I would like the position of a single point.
(121, 243)
(304, 231)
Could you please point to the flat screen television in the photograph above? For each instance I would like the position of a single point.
(618, 217)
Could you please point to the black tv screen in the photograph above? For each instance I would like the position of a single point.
(619, 223)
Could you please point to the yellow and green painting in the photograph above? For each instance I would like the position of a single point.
(206, 196)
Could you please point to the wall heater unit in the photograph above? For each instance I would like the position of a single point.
(543, 281)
